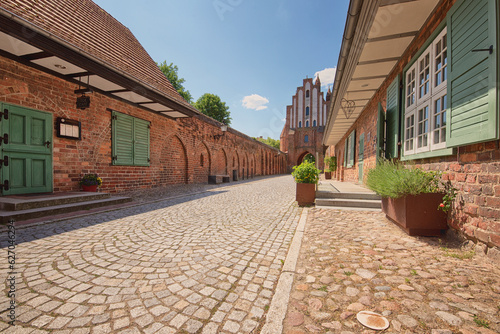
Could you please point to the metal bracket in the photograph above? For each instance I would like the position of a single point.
(114, 117)
(4, 114)
(4, 139)
(114, 157)
(4, 161)
(5, 185)
(490, 49)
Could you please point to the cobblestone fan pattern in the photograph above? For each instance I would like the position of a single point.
(205, 263)
(352, 261)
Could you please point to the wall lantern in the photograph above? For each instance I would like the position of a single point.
(223, 129)
(83, 102)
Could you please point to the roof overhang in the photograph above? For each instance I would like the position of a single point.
(22, 41)
(376, 35)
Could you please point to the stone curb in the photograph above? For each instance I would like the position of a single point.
(279, 303)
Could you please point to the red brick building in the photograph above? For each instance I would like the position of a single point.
(304, 126)
(424, 77)
(136, 132)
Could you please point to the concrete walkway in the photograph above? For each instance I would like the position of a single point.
(343, 187)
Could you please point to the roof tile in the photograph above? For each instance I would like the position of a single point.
(86, 26)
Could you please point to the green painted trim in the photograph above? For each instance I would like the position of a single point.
(431, 154)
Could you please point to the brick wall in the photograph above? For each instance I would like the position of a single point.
(176, 146)
(474, 170)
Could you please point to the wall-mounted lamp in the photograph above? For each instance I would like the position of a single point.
(83, 102)
(223, 129)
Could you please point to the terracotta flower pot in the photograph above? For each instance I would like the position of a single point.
(417, 214)
(89, 188)
(328, 175)
(305, 193)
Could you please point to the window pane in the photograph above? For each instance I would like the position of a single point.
(423, 127)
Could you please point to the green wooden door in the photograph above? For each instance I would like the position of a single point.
(28, 151)
(361, 157)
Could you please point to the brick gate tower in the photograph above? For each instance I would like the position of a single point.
(305, 123)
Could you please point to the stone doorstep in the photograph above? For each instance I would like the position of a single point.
(347, 195)
(33, 201)
(50, 211)
(349, 203)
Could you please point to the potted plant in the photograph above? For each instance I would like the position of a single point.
(412, 198)
(332, 167)
(90, 182)
(306, 176)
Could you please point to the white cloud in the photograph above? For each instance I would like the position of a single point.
(326, 76)
(255, 102)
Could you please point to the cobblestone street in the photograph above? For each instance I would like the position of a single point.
(353, 260)
(211, 262)
(205, 263)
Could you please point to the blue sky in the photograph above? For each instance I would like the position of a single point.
(252, 53)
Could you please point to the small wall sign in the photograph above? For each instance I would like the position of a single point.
(68, 128)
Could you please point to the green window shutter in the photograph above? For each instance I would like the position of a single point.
(392, 120)
(380, 133)
(122, 139)
(141, 142)
(352, 146)
(361, 151)
(130, 140)
(472, 81)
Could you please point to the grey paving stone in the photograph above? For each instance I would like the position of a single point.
(168, 265)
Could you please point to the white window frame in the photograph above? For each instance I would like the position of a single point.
(422, 120)
(442, 128)
(411, 87)
(415, 101)
(424, 82)
(440, 40)
(410, 140)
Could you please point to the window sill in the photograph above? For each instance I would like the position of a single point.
(431, 154)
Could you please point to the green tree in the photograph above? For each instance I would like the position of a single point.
(211, 105)
(170, 72)
(270, 141)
